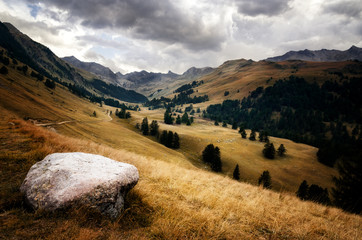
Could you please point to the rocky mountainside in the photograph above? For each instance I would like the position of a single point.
(324, 55)
(42, 60)
(103, 72)
(148, 83)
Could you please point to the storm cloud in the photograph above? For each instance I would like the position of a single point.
(162, 35)
(262, 7)
(346, 8)
(158, 20)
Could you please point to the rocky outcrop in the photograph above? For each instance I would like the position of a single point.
(65, 179)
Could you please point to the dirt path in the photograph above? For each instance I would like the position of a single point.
(73, 121)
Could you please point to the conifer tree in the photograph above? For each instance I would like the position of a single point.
(269, 150)
(224, 124)
(216, 164)
(168, 119)
(236, 173)
(154, 128)
(176, 141)
(243, 134)
(216, 123)
(302, 192)
(163, 137)
(94, 114)
(178, 119)
(169, 141)
(281, 150)
(144, 126)
(211, 155)
(241, 127)
(208, 153)
(265, 179)
(252, 135)
(235, 125)
(185, 118)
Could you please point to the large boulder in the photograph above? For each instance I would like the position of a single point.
(65, 179)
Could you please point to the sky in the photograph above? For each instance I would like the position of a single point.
(163, 35)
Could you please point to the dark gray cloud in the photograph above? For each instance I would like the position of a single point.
(262, 7)
(346, 8)
(158, 20)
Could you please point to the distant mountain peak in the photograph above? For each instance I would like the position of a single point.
(323, 55)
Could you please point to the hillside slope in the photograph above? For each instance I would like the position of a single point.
(46, 64)
(173, 199)
(240, 77)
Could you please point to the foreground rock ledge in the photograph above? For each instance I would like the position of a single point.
(64, 179)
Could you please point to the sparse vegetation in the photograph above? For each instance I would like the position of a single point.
(265, 180)
(171, 190)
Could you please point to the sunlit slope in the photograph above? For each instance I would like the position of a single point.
(240, 77)
(300, 162)
(169, 201)
(60, 110)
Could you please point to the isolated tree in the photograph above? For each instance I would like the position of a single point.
(224, 124)
(302, 192)
(252, 135)
(154, 128)
(236, 173)
(265, 180)
(176, 141)
(269, 150)
(94, 114)
(178, 119)
(234, 125)
(208, 153)
(281, 150)
(243, 134)
(211, 155)
(168, 119)
(216, 123)
(144, 126)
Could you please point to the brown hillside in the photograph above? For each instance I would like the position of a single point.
(240, 77)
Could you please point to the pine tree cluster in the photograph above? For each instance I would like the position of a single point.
(313, 193)
(170, 139)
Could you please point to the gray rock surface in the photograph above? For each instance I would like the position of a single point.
(65, 179)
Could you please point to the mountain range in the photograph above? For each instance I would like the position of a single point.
(324, 55)
(148, 83)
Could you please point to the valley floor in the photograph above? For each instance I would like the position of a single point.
(171, 201)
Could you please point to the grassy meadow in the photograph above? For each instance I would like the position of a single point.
(177, 197)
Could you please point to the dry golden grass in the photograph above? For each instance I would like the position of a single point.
(175, 198)
(245, 76)
(287, 172)
(169, 202)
